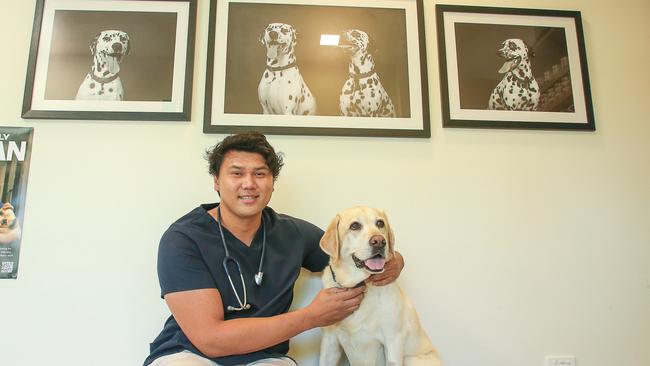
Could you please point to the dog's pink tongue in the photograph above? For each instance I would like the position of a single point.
(375, 264)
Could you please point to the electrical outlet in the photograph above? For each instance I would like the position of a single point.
(560, 361)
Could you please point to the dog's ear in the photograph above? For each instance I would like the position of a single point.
(128, 46)
(531, 51)
(330, 240)
(391, 235)
(372, 45)
(260, 37)
(93, 43)
(295, 34)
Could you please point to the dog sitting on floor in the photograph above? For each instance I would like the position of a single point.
(362, 94)
(282, 90)
(359, 242)
(518, 90)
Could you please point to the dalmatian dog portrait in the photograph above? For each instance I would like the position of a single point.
(282, 90)
(518, 90)
(362, 94)
(102, 82)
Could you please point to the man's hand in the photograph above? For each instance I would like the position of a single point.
(334, 304)
(392, 270)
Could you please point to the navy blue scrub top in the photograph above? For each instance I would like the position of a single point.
(190, 257)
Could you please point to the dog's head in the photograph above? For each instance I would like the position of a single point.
(7, 217)
(359, 237)
(513, 50)
(355, 40)
(279, 39)
(108, 49)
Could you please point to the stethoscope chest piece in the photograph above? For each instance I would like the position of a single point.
(258, 278)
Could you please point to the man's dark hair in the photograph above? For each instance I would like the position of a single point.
(253, 142)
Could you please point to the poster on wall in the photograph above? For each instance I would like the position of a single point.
(15, 153)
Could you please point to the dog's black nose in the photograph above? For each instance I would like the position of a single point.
(273, 35)
(117, 47)
(377, 241)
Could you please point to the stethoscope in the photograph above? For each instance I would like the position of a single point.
(243, 305)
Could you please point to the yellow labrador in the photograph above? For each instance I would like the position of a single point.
(360, 241)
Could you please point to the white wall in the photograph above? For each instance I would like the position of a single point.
(518, 244)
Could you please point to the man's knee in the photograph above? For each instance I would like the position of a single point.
(283, 361)
(184, 358)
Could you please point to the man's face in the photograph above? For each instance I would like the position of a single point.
(245, 184)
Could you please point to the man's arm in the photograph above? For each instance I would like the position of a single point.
(200, 315)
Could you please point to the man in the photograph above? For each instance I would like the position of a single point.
(213, 261)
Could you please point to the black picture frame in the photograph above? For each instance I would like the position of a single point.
(154, 72)
(474, 92)
(237, 63)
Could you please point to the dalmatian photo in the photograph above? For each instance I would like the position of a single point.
(282, 89)
(518, 90)
(102, 82)
(363, 94)
(282, 59)
(99, 56)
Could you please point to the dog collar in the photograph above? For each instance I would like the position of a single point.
(338, 284)
(103, 80)
(362, 76)
(280, 68)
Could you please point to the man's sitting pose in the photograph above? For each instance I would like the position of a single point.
(227, 270)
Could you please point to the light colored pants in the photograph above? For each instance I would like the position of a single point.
(187, 358)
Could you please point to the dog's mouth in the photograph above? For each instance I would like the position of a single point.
(275, 43)
(347, 45)
(348, 48)
(509, 64)
(373, 264)
(116, 55)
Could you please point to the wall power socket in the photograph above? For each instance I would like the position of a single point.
(560, 361)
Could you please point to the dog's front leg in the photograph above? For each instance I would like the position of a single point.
(394, 350)
(330, 349)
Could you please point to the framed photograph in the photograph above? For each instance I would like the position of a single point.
(111, 60)
(513, 68)
(317, 67)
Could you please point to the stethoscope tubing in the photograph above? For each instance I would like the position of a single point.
(243, 305)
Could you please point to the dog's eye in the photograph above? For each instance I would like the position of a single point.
(380, 223)
(355, 226)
